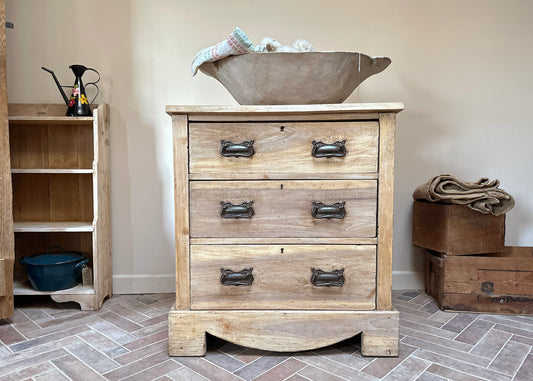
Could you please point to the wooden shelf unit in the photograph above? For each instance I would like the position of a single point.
(61, 193)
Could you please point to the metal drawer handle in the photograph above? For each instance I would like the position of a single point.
(229, 210)
(321, 210)
(321, 278)
(337, 149)
(244, 149)
(236, 278)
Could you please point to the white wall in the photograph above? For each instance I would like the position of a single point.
(462, 68)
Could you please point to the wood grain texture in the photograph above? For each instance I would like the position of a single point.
(45, 170)
(281, 117)
(495, 282)
(283, 312)
(62, 226)
(283, 148)
(61, 192)
(101, 238)
(180, 131)
(284, 241)
(456, 229)
(4, 280)
(288, 110)
(52, 197)
(285, 331)
(271, 175)
(387, 124)
(6, 217)
(282, 277)
(87, 302)
(44, 113)
(59, 146)
(282, 209)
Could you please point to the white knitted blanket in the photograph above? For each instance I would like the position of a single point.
(238, 43)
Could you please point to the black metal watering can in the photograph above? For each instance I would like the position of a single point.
(78, 104)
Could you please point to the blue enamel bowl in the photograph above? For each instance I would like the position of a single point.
(54, 271)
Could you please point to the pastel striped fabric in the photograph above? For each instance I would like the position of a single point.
(236, 43)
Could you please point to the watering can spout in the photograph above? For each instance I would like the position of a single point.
(65, 98)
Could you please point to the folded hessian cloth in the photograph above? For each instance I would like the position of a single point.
(483, 196)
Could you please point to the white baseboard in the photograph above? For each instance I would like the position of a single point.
(166, 283)
(407, 280)
(144, 283)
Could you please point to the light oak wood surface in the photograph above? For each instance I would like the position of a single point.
(101, 237)
(61, 192)
(282, 277)
(283, 148)
(4, 281)
(281, 310)
(312, 111)
(285, 241)
(181, 209)
(62, 226)
(283, 209)
(52, 197)
(284, 331)
(387, 124)
(6, 219)
(57, 146)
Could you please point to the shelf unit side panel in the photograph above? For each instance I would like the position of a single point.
(6, 219)
(101, 238)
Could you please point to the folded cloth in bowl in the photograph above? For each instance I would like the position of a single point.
(483, 195)
(236, 43)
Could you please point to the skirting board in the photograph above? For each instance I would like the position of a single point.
(407, 280)
(165, 283)
(144, 283)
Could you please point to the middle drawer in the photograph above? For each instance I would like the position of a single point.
(283, 209)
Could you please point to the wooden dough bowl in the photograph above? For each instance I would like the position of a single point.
(294, 78)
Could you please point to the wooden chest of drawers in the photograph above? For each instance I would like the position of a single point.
(284, 226)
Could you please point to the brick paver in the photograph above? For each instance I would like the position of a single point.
(127, 340)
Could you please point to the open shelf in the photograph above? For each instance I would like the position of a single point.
(50, 227)
(54, 197)
(24, 119)
(21, 287)
(46, 170)
(61, 146)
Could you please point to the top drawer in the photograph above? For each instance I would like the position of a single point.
(284, 150)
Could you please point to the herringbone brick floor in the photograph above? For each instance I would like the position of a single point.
(127, 340)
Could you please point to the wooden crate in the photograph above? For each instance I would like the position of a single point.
(492, 283)
(456, 229)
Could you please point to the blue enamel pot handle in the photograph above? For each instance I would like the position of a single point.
(81, 264)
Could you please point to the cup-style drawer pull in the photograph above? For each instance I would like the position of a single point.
(229, 210)
(337, 149)
(322, 278)
(244, 149)
(321, 210)
(236, 278)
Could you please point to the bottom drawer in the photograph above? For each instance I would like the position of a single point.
(333, 277)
